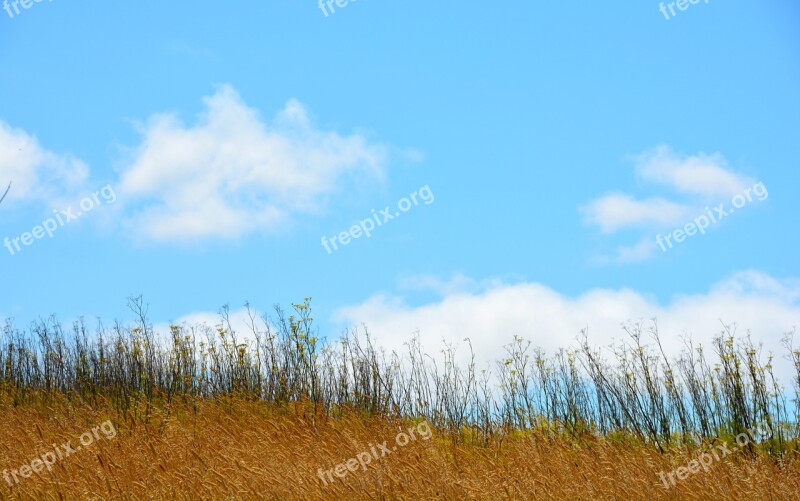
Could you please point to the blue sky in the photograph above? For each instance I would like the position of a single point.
(556, 139)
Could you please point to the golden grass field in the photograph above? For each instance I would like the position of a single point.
(236, 449)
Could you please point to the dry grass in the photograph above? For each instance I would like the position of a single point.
(236, 449)
(205, 415)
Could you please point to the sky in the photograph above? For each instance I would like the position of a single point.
(453, 169)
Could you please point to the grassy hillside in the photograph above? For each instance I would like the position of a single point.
(239, 449)
(287, 414)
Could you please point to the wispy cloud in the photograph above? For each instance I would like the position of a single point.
(617, 211)
(635, 253)
(700, 174)
(696, 182)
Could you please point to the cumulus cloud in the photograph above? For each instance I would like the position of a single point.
(751, 300)
(232, 173)
(37, 174)
(617, 211)
(491, 312)
(700, 174)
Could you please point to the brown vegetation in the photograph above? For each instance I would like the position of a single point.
(203, 414)
(238, 449)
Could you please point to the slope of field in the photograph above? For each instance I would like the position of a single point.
(236, 449)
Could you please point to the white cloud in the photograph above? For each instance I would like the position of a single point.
(617, 211)
(36, 173)
(232, 173)
(490, 318)
(698, 180)
(700, 174)
(207, 322)
(753, 284)
(635, 253)
(495, 311)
